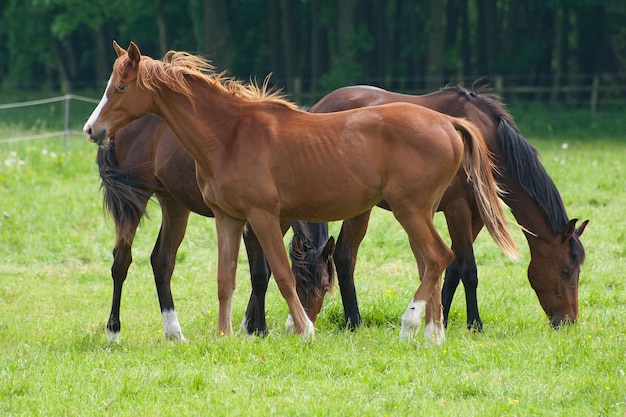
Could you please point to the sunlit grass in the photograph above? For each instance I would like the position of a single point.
(55, 288)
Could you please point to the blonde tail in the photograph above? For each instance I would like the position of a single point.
(478, 165)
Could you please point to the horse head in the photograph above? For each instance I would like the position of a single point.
(558, 258)
(124, 99)
(313, 268)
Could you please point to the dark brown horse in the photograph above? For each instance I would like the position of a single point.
(556, 250)
(144, 159)
(261, 160)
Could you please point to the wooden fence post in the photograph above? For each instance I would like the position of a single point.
(499, 85)
(594, 94)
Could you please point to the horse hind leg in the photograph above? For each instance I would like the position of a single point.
(163, 260)
(352, 233)
(463, 227)
(432, 255)
(122, 259)
(434, 313)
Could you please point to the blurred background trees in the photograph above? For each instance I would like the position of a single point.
(314, 46)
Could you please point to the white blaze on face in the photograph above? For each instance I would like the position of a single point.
(96, 113)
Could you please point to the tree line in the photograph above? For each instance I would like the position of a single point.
(314, 46)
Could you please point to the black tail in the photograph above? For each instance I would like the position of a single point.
(124, 196)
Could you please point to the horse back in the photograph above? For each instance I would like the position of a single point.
(453, 101)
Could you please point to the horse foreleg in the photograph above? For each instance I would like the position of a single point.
(254, 319)
(352, 233)
(269, 232)
(229, 231)
(163, 260)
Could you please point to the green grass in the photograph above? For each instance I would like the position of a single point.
(55, 288)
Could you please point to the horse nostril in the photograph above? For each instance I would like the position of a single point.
(87, 130)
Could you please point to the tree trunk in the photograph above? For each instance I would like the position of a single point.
(436, 39)
(288, 35)
(72, 59)
(314, 56)
(345, 28)
(466, 52)
(384, 14)
(274, 42)
(101, 47)
(488, 35)
(162, 25)
(556, 58)
(64, 77)
(451, 41)
(217, 40)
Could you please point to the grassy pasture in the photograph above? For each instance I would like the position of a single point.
(55, 291)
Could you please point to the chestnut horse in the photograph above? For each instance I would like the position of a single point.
(555, 247)
(261, 160)
(144, 159)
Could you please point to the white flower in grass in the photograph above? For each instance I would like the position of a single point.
(564, 145)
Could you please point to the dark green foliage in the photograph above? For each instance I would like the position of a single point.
(314, 46)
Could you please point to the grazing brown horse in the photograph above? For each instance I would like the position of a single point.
(555, 247)
(143, 159)
(261, 160)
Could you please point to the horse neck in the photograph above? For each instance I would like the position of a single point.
(202, 122)
(527, 213)
(133, 145)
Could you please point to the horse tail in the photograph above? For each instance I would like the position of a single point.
(479, 167)
(124, 197)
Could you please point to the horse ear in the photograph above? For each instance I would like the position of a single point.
(581, 229)
(569, 230)
(118, 49)
(329, 248)
(133, 53)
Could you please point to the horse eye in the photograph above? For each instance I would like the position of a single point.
(565, 273)
(121, 87)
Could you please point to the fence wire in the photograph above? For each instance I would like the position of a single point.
(66, 116)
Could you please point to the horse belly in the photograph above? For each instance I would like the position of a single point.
(338, 200)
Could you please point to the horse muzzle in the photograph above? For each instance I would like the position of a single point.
(99, 137)
(559, 320)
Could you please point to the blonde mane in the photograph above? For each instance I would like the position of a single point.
(176, 66)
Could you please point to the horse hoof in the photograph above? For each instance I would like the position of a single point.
(175, 337)
(309, 330)
(243, 328)
(290, 326)
(434, 332)
(114, 337)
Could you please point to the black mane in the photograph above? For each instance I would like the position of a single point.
(308, 241)
(522, 163)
